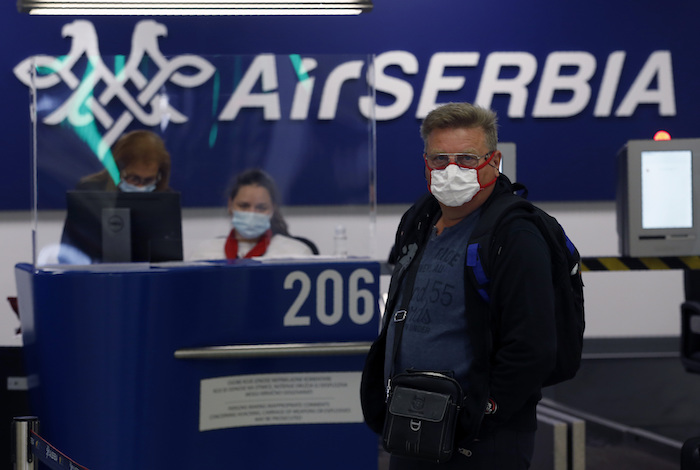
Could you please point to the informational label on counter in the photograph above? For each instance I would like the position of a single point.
(276, 399)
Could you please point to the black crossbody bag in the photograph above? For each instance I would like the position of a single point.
(422, 406)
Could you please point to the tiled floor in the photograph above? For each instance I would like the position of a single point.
(605, 457)
(601, 456)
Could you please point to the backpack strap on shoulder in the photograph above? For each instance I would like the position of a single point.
(520, 189)
(479, 256)
(477, 269)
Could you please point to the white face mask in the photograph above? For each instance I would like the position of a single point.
(250, 225)
(455, 185)
(132, 188)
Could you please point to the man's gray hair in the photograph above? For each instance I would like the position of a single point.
(458, 115)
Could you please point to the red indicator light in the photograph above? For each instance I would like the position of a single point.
(662, 135)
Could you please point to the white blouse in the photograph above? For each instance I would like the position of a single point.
(281, 246)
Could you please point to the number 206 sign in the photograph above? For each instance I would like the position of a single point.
(336, 294)
(307, 300)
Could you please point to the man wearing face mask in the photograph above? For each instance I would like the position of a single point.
(257, 226)
(499, 361)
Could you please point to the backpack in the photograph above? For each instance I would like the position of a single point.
(483, 248)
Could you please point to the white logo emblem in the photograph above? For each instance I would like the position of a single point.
(150, 106)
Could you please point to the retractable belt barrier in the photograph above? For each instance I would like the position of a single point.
(28, 447)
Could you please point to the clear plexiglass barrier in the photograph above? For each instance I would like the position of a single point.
(149, 158)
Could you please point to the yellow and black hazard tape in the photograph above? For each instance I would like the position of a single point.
(624, 263)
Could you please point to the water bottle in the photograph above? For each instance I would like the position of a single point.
(341, 242)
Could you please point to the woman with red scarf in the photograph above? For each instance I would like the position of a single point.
(258, 229)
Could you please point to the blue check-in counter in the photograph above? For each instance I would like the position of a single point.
(247, 365)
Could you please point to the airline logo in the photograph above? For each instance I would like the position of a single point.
(142, 99)
(393, 74)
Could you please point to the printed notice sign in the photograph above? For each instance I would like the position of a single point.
(275, 399)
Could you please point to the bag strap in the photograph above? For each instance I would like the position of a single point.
(480, 245)
(399, 317)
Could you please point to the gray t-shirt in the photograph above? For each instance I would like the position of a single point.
(435, 334)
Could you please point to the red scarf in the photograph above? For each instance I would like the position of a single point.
(231, 247)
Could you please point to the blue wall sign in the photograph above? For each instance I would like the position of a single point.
(571, 85)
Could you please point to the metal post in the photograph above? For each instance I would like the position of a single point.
(22, 457)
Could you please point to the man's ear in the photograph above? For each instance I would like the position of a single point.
(496, 160)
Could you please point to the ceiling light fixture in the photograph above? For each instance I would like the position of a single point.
(193, 7)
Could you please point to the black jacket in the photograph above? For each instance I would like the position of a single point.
(513, 339)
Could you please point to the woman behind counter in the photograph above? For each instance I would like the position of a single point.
(258, 228)
(144, 166)
(143, 163)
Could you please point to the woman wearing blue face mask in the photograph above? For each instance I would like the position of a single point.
(257, 226)
(143, 163)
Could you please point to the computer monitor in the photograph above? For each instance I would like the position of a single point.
(508, 160)
(112, 227)
(658, 198)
